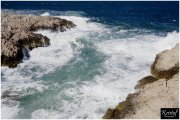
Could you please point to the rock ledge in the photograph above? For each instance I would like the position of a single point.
(17, 35)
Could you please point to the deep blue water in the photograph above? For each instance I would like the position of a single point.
(155, 15)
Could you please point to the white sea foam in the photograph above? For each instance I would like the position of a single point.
(128, 60)
(45, 59)
(45, 14)
(9, 109)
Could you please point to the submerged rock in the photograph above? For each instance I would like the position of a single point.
(9, 95)
(17, 34)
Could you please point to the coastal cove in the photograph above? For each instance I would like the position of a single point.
(77, 63)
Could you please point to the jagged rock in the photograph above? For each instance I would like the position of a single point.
(31, 22)
(12, 49)
(147, 102)
(17, 35)
(121, 109)
(30, 40)
(11, 54)
(166, 63)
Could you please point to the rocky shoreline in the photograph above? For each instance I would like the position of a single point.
(153, 92)
(18, 37)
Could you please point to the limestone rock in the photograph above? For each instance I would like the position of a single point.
(166, 63)
(121, 109)
(30, 40)
(17, 35)
(144, 81)
(31, 22)
(147, 102)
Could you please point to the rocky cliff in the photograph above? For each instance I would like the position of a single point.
(156, 91)
(17, 35)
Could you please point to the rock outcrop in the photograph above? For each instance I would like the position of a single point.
(166, 63)
(159, 90)
(17, 34)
